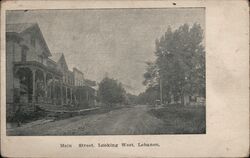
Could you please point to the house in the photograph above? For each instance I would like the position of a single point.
(67, 84)
(30, 74)
(35, 76)
(85, 90)
(78, 77)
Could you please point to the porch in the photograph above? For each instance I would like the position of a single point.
(37, 83)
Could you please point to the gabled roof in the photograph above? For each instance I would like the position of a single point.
(77, 70)
(63, 60)
(19, 27)
(59, 57)
(56, 56)
(28, 27)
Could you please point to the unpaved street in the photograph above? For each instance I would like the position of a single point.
(133, 120)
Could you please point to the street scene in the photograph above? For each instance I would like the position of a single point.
(135, 120)
(105, 72)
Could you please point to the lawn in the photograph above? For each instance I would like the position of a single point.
(181, 120)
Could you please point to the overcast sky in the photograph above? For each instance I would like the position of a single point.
(113, 42)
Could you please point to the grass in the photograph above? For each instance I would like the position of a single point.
(181, 120)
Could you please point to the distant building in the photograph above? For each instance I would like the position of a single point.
(78, 77)
(67, 78)
(86, 90)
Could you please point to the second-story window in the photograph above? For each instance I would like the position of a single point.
(40, 59)
(24, 54)
(33, 41)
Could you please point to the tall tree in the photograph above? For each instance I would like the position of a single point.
(180, 62)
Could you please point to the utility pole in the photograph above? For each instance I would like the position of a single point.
(160, 80)
(161, 91)
(87, 95)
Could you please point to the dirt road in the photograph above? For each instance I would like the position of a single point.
(133, 120)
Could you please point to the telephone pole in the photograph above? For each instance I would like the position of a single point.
(160, 80)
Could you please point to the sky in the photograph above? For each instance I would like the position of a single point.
(108, 42)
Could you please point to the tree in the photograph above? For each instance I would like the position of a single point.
(130, 99)
(111, 92)
(180, 63)
(149, 96)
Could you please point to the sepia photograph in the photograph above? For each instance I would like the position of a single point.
(113, 71)
(122, 78)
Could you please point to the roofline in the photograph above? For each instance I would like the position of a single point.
(62, 56)
(74, 68)
(52, 60)
(42, 37)
(46, 46)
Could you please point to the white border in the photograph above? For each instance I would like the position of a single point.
(227, 38)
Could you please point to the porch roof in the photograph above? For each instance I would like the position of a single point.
(38, 65)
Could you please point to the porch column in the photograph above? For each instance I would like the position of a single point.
(75, 93)
(33, 85)
(70, 95)
(53, 90)
(61, 91)
(45, 87)
(66, 95)
(50, 93)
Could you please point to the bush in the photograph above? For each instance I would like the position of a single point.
(26, 114)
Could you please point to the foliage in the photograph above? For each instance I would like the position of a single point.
(111, 92)
(130, 99)
(26, 113)
(149, 96)
(180, 63)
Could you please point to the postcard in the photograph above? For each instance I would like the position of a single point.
(125, 78)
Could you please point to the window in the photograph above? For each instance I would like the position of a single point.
(62, 65)
(24, 54)
(33, 41)
(40, 59)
